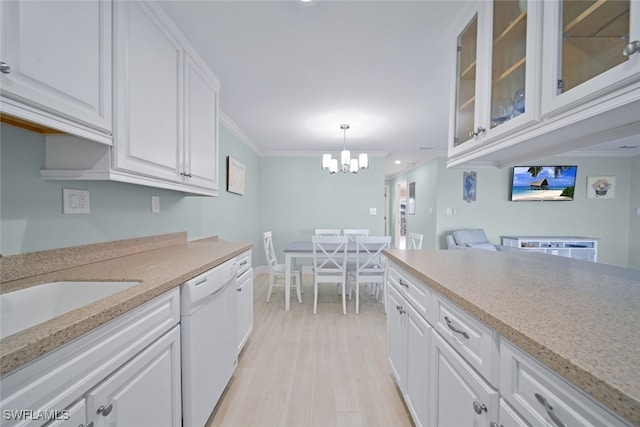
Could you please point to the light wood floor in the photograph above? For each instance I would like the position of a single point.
(300, 369)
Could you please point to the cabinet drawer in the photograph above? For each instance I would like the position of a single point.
(477, 343)
(411, 289)
(243, 261)
(543, 397)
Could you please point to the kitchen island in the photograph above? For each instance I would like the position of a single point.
(160, 263)
(576, 318)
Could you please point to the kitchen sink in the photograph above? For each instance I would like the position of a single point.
(24, 308)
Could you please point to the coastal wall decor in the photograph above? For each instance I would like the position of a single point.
(235, 176)
(601, 187)
(469, 181)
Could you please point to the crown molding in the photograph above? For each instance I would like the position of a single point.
(229, 124)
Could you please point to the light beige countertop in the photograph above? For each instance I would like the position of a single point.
(580, 319)
(159, 263)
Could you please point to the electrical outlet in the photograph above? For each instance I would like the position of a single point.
(75, 201)
(155, 204)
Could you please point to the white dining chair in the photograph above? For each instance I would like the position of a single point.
(276, 270)
(352, 233)
(371, 265)
(414, 240)
(327, 232)
(329, 265)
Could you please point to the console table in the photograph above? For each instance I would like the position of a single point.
(584, 248)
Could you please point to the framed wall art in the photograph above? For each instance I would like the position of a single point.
(235, 176)
(601, 187)
(469, 181)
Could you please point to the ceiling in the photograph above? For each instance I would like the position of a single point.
(291, 73)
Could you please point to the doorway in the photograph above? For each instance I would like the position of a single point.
(400, 210)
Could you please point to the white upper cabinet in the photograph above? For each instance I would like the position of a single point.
(200, 125)
(166, 112)
(539, 78)
(148, 75)
(496, 57)
(56, 65)
(593, 48)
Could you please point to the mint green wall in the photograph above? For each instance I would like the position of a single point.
(31, 208)
(608, 219)
(297, 196)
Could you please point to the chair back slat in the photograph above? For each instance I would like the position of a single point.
(369, 256)
(327, 232)
(329, 254)
(414, 240)
(269, 252)
(352, 233)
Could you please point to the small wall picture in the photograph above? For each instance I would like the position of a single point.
(235, 176)
(601, 187)
(469, 180)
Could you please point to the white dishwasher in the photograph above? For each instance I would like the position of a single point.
(209, 340)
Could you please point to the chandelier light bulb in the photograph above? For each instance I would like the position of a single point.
(347, 164)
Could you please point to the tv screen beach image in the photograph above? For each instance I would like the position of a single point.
(539, 183)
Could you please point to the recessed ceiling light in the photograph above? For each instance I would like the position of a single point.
(397, 162)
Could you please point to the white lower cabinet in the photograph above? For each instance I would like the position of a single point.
(459, 395)
(123, 373)
(144, 392)
(244, 299)
(409, 343)
(454, 371)
(545, 399)
(508, 417)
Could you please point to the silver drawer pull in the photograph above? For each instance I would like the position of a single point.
(454, 329)
(402, 283)
(558, 422)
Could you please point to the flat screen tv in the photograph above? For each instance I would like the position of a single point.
(543, 183)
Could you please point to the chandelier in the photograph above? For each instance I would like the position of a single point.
(347, 164)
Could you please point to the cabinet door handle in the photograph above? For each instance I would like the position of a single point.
(4, 68)
(558, 422)
(479, 407)
(454, 329)
(105, 409)
(402, 283)
(238, 289)
(188, 175)
(477, 132)
(628, 50)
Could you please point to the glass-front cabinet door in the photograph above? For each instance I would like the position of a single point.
(464, 116)
(496, 67)
(593, 47)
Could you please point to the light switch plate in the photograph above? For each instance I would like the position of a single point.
(155, 204)
(75, 201)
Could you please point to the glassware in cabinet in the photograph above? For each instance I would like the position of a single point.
(508, 71)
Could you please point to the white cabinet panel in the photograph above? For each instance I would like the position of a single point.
(148, 74)
(59, 55)
(201, 127)
(244, 298)
(478, 343)
(543, 397)
(145, 391)
(418, 351)
(459, 396)
(396, 337)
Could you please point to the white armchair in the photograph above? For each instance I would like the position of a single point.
(472, 239)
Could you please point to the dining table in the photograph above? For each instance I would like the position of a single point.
(304, 249)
